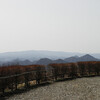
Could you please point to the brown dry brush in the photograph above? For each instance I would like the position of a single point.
(17, 74)
(89, 68)
(62, 70)
(25, 74)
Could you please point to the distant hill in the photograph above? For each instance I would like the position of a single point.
(18, 62)
(59, 61)
(46, 61)
(34, 55)
(44, 57)
(86, 57)
(72, 59)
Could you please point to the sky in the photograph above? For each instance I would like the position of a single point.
(57, 25)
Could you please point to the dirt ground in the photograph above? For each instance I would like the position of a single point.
(78, 89)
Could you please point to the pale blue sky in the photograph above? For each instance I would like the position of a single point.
(59, 25)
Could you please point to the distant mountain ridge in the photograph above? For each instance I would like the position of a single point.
(34, 55)
(86, 57)
(46, 61)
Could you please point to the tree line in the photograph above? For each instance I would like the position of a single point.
(13, 75)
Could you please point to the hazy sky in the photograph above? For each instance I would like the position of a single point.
(59, 25)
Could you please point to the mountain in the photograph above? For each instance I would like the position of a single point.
(18, 62)
(59, 61)
(72, 59)
(25, 62)
(33, 56)
(86, 57)
(44, 61)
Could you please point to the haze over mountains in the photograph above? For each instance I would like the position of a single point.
(33, 55)
(44, 57)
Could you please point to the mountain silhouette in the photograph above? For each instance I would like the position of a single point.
(46, 61)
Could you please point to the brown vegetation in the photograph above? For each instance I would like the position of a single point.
(11, 76)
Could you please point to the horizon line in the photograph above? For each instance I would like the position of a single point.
(50, 51)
